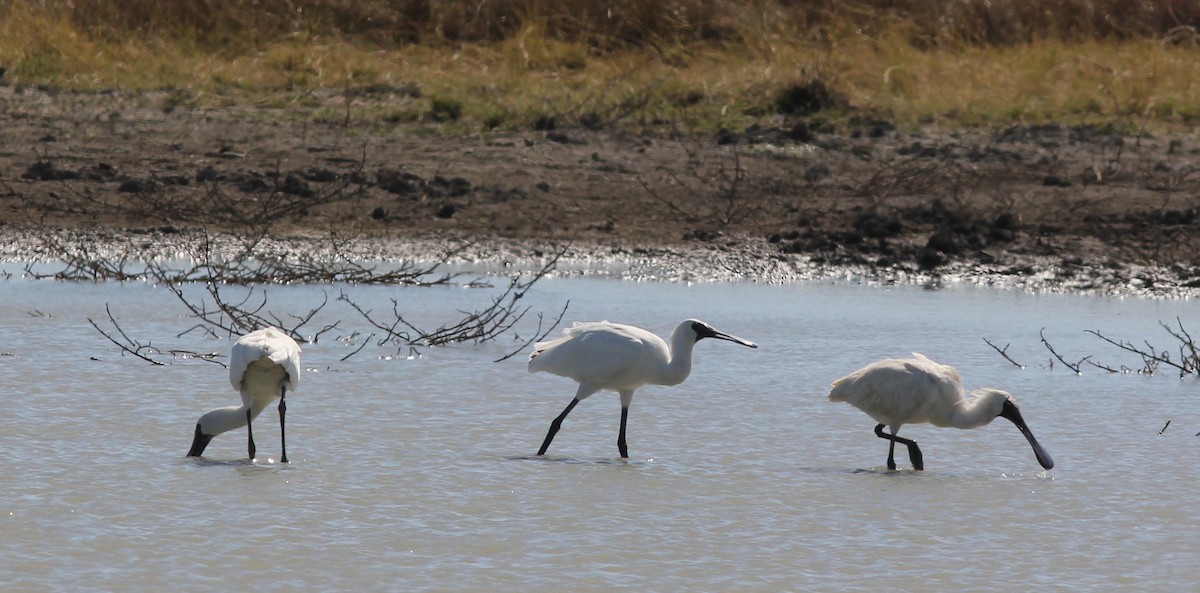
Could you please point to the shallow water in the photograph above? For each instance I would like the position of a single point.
(418, 473)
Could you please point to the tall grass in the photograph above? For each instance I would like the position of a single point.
(700, 64)
(625, 23)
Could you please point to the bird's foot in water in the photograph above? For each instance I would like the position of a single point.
(914, 455)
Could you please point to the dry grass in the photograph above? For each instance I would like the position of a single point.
(695, 65)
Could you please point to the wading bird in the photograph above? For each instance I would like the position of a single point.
(621, 358)
(915, 390)
(264, 365)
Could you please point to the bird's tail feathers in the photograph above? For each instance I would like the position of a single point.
(541, 348)
(836, 393)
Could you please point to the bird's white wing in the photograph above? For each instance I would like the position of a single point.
(594, 352)
(940, 378)
(268, 343)
(894, 389)
(577, 328)
(288, 356)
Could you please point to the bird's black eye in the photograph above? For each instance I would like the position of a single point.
(702, 330)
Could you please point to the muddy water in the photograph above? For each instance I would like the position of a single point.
(416, 473)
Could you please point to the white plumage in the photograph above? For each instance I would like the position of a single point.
(897, 391)
(621, 358)
(263, 366)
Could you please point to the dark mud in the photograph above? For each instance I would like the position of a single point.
(1043, 207)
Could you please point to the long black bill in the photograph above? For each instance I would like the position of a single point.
(199, 442)
(712, 333)
(1011, 412)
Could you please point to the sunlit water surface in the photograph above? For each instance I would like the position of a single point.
(418, 473)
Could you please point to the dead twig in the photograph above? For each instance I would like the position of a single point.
(391, 332)
(1046, 343)
(538, 334)
(1004, 352)
(1106, 367)
(219, 316)
(477, 326)
(359, 349)
(126, 344)
(1188, 355)
(253, 261)
(1151, 357)
(205, 356)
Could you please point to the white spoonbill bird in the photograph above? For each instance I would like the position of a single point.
(264, 365)
(915, 390)
(602, 355)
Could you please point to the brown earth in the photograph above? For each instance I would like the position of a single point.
(1080, 200)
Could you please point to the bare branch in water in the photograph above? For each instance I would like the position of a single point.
(1188, 356)
(538, 334)
(1151, 357)
(357, 350)
(234, 299)
(1004, 352)
(1187, 361)
(391, 331)
(1046, 343)
(475, 326)
(205, 356)
(126, 344)
(1105, 367)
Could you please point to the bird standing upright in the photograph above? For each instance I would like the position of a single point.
(602, 355)
(897, 391)
(263, 366)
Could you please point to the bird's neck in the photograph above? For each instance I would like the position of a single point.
(979, 408)
(228, 418)
(680, 365)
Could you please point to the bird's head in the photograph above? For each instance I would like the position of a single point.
(995, 400)
(1009, 410)
(200, 441)
(703, 330)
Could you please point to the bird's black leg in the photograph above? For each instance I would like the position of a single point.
(249, 437)
(891, 462)
(282, 436)
(621, 436)
(557, 424)
(914, 452)
(914, 455)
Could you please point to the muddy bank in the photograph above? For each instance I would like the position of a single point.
(1048, 207)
